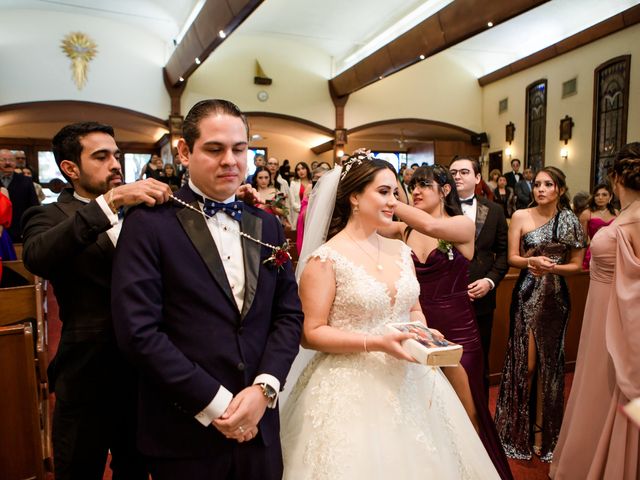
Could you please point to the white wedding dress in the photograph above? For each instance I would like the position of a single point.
(368, 415)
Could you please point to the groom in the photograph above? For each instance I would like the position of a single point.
(211, 327)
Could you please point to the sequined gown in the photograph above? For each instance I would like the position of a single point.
(540, 305)
(371, 416)
(597, 441)
(445, 302)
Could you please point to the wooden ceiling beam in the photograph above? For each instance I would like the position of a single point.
(613, 24)
(202, 37)
(456, 22)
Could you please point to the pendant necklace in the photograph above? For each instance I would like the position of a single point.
(377, 263)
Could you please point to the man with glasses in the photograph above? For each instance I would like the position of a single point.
(489, 264)
(21, 192)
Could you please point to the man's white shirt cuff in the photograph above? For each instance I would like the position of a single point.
(493, 285)
(273, 382)
(113, 217)
(216, 408)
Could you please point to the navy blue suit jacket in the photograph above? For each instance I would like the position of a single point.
(175, 317)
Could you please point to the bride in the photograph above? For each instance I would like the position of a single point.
(361, 408)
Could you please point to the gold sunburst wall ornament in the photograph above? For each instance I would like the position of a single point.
(80, 49)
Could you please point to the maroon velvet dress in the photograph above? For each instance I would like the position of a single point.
(446, 304)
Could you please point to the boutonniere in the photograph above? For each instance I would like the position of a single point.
(446, 247)
(279, 255)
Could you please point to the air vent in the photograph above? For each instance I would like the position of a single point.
(570, 87)
(503, 105)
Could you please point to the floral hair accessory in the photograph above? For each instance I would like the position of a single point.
(356, 158)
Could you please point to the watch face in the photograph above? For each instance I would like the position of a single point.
(263, 96)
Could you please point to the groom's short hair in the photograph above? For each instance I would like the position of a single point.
(204, 108)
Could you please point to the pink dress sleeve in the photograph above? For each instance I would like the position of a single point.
(623, 317)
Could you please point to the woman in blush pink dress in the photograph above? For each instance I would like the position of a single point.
(597, 441)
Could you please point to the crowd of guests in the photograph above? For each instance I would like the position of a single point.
(434, 252)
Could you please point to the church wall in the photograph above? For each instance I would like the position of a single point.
(438, 88)
(299, 75)
(126, 72)
(581, 64)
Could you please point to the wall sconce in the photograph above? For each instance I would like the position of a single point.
(564, 153)
(339, 153)
(508, 152)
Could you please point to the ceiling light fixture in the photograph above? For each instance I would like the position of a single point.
(221, 34)
(181, 79)
(489, 24)
(422, 57)
(424, 11)
(198, 62)
(190, 19)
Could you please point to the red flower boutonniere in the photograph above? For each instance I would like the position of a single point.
(279, 256)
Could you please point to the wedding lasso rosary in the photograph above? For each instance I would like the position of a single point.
(279, 254)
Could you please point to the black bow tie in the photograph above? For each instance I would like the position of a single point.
(233, 209)
(468, 201)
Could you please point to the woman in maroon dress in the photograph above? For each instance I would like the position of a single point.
(442, 241)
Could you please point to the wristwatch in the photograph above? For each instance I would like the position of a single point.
(268, 391)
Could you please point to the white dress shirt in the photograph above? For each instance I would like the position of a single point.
(470, 211)
(116, 222)
(225, 232)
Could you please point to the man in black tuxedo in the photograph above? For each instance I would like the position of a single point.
(514, 176)
(209, 318)
(489, 264)
(524, 190)
(71, 243)
(22, 193)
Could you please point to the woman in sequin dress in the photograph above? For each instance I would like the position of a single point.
(361, 408)
(597, 441)
(547, 243)
(599, 213)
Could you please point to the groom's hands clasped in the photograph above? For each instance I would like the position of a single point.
(240, 420)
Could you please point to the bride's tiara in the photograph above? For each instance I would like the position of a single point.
(356, 158)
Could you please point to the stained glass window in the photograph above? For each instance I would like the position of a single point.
(536, 124)
(611, 99)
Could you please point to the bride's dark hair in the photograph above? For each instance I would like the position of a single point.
(440, 175)
(358, 171)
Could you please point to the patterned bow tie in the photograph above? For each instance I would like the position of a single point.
(233, 209)
(468, 201)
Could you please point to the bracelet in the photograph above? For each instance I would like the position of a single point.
(110, 202)
(365, 343)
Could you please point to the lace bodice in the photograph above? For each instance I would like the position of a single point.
(364, 303)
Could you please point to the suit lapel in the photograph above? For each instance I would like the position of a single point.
(196, 229)
(481, 216)
(251, 225)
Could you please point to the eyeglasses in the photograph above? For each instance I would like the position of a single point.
(463, 172)
(422, 184)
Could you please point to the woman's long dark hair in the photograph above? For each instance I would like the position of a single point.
(360, 170)
(254, 179)
(440, 175)
(306, 167)
(560, 179)
(592, 199)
